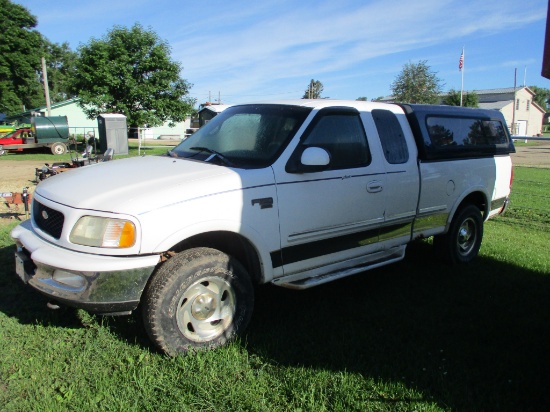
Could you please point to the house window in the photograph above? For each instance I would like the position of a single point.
(517, 104)
(528, 104)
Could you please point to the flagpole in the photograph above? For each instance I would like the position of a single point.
(462, 71)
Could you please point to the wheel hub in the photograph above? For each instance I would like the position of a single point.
(466, 236)
(203, 306)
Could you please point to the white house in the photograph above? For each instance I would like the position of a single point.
(79, 124)
(523, 115)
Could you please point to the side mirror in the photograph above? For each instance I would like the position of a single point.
(312, 159)
(315, 156)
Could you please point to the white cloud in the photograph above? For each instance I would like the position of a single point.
(243, 47)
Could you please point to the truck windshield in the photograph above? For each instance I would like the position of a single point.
(247, 136)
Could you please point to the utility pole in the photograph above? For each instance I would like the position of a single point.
(513, 128)
(46, 88)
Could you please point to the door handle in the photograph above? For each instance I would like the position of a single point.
(374, 186)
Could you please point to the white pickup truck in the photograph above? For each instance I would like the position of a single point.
(294, 193)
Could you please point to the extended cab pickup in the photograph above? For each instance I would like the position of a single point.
(295, 193)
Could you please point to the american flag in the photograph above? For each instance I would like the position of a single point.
(461, 61)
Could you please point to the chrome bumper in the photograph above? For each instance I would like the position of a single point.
(81, 280)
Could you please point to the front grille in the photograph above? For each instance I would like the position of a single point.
(48, 219)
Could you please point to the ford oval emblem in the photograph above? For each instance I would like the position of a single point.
(45, 215)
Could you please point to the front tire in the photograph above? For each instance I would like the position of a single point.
(200, 298)
(462, 242)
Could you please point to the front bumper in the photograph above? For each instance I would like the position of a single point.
(97, 283)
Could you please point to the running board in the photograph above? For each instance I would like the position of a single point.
(292, 283)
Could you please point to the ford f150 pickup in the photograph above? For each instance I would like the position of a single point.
(296, 193)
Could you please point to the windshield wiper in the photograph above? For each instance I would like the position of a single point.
(214, 154)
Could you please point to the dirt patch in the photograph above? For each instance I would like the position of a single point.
(537, 154)
(16, 175)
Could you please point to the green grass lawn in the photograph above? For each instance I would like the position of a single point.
(416, 335)
(44, 155)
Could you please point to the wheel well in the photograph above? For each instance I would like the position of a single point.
(477, 199)
(230, 243)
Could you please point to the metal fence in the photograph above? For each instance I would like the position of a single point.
(83, 132)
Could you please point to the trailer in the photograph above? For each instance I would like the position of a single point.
(50, 132)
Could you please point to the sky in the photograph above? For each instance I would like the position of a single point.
(244, 51)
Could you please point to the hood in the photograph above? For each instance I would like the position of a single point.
(137, 185)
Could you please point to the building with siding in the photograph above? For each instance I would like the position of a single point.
(79, 124)
(524, 117)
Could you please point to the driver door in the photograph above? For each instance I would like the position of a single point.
(332, 213)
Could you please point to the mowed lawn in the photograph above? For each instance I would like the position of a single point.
(416, 335)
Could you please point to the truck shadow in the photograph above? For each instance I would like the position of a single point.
(24, 303)
(30, 307)
(475, 336)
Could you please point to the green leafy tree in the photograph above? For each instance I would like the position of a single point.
(314, 90)
(129, 71)
(362, 99)
(416, 84)
(20, 51)
(542, 96)
(469, 99)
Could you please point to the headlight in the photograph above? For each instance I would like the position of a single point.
(103, 232)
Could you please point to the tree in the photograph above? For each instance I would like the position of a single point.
(20, 49)
(542, 96)
(129, 71)
(416, 84)
(60, 64)
(362, 99)
(314, 90)
(469, 99)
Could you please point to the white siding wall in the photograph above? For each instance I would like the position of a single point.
(526, 111)
(80, 124)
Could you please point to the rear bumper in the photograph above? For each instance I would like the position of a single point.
(505, 206)
(103, 284)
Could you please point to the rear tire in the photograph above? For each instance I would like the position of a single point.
(200, 298)
(462, 242)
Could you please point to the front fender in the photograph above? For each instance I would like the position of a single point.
(260, 243)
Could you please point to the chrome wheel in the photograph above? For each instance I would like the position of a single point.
(200, 298)
(467, 236)
(206, 309)
(462, 242)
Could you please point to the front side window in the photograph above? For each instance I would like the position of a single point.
(247, 136)
(342, 135)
